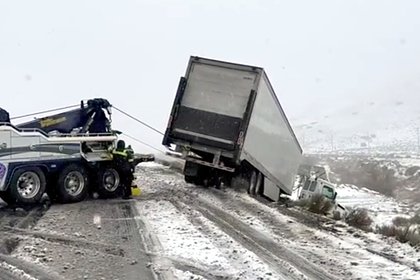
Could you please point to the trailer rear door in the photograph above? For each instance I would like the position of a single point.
(214, 102)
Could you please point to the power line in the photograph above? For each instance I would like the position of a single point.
(141, 142)
(42, 112)
(136, 119)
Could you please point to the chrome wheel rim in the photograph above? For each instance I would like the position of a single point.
(28, 184)
(74, 183)
(110, 180)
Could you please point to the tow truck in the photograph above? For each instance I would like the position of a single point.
(67, 156)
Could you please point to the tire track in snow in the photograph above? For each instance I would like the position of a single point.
(263, 246)
(162, 263)
(26, 269)
(66, 240)
(268, 250)
(151, 244)
(207, 231)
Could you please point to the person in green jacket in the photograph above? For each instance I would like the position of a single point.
(123, 163)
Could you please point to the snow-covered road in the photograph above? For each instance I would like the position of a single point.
(176, 230)
(213, 234)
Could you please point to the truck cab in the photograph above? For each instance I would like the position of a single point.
(314, 185)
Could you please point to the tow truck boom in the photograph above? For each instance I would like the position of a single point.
(90, 117)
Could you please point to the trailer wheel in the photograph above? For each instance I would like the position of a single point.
(108, 182)
(190, 179)
(252, 182)
(259, 187)
(27, 186)
(73, 184)
(217, 182)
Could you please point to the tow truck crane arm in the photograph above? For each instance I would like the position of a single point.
(90, 117)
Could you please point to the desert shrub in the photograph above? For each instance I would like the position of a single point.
(317, 204)
(416, 196)
(414, 237)
(359, 217)
(304, 203)
(412, 170)
(367, 174)
(387, 230)
(403, 234)
(337, 215)
(400, 221)
(405, 230)
(415, 219)
(320, 205)
(381, 180)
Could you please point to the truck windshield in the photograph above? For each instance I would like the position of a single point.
(306, 185)
(313, 186)
(328, 192)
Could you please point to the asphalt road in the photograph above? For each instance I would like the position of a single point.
(96, 239)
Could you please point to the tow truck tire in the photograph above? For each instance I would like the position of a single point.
(72, 184)
(26, 186)
(109, 182)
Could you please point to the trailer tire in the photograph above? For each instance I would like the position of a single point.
(72, 184)
(30, 193)
(252, 182)
(109, 181)
(259, 187)
(190, 179)
(217, 182)
(206, 182)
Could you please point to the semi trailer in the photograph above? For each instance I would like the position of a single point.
(228, 125)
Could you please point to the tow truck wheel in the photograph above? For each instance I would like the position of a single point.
(73, 184)
(27, 186)
(108, 182)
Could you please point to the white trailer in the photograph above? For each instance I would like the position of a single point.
(229, 126)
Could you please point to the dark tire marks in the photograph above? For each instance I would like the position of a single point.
(274, 254)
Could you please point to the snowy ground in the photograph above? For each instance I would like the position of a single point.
(382, 209)
(179, 231)
(239, 237)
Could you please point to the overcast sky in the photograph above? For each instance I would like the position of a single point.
(345, 65)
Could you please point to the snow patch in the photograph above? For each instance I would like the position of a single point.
(382, 209)
(186, 275)
(205, 247)
(17, 272)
